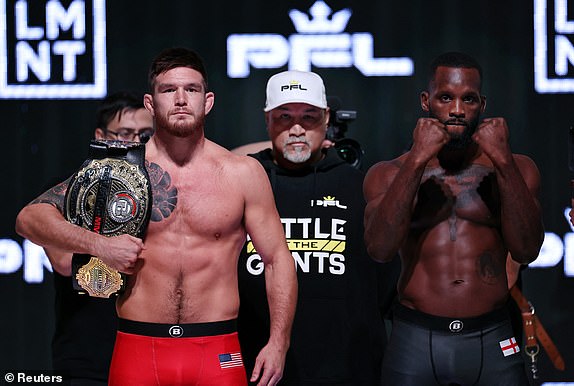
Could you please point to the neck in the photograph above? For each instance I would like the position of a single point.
(453, 160)
(180, 150)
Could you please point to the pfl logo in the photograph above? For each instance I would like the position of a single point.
(52, 49)
(328, 201)
(320, 41)
(293, 86)
(553, 48)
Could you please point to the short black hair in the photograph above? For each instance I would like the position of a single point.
(114, 104)
(175, 57)
(455, 60)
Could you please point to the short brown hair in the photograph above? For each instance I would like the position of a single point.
(171, 58)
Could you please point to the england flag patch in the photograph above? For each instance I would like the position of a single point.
(509, 346)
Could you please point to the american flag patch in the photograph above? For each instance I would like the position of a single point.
(229, 360)
(509, 346)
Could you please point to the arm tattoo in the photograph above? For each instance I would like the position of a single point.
(54, 196)
(163, 193)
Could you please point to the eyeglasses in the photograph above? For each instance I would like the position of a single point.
(130, 135)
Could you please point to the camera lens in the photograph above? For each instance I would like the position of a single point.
(350, 151)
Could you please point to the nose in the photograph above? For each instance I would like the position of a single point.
(180, 97)
(457, 109)
(296, 130)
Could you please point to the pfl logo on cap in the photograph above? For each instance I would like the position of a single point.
(52, 49)
(293, 86)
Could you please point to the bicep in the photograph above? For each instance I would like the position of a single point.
(530, 174)
(376, 183)
(262, 220)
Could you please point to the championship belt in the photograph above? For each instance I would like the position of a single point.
(109, 195)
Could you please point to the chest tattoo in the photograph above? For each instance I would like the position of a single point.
(164, 194)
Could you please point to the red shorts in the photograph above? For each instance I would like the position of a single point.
(184, 354)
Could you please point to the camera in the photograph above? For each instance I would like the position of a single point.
(348, 149)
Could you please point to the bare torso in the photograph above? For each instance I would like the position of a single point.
(187, 271)
(454, 257)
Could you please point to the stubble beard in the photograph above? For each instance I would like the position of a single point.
(179, 128)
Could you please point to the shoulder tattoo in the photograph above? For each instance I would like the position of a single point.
(163, 193)
(54, 196)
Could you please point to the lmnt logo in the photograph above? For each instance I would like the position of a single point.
(51, 50)
(553, 49)
(321, 42)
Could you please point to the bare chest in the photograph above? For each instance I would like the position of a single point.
(471, 194)
(202, 203)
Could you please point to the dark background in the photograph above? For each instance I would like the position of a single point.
(46, 139)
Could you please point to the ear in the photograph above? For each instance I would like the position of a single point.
(266, 114)
(327, 144)
(99, 134)
(148, 103)
(327, 118)
(209, 101)
(482, 103)
(425, 101)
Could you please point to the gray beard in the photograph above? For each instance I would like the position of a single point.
(298, 155)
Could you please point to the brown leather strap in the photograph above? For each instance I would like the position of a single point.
(548, 345)
(534, 331)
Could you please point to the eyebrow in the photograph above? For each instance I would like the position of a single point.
(171, 84)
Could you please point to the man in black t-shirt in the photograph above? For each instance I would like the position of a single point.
(338, 334)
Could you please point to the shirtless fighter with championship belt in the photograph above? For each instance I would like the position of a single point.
(177, 316)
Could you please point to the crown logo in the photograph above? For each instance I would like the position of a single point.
(329, 198)
(319, 22)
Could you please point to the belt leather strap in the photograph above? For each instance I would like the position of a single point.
(534, 331)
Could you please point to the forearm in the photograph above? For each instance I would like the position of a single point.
(521, 218)
(281, 286)
(43, 224)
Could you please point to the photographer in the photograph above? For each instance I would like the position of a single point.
(338, 334)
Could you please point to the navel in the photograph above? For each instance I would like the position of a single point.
(217, 236)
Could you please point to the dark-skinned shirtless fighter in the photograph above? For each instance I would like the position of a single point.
(452, 208)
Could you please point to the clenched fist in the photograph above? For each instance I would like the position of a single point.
(492, 137)
(120, 252)
(429, 137)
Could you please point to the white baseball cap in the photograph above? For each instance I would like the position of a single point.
(295, 87)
